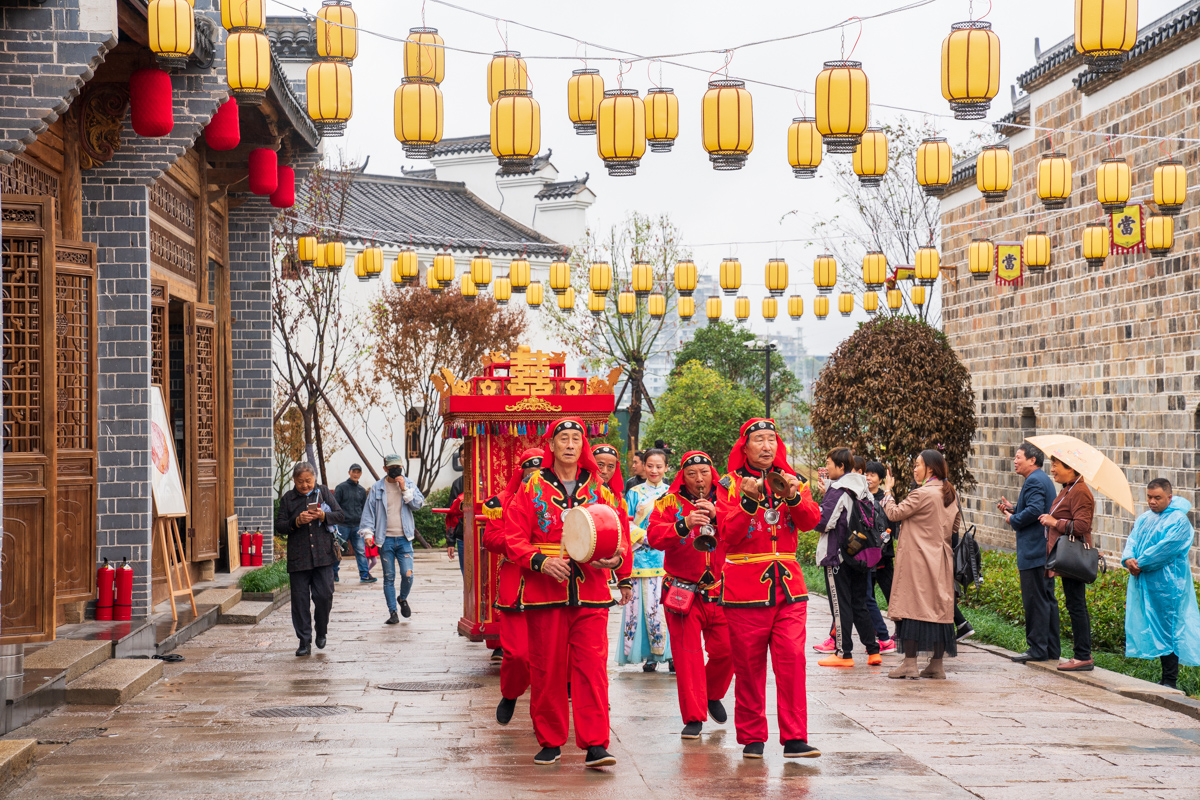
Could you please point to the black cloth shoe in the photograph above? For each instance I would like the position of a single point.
(304, 649)
(753, 750)
(497, 655)
(963, 631)
(650, 666)
(597, 756)
(406, 612)
(505, 710)
(798, 748)
(671, 664)
(548, 755)
(691, 730)
(393, 619)
(1021, 658)
(320, 642)
(716, 710)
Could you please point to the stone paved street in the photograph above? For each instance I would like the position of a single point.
(994, 730)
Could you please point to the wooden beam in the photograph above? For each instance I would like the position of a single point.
(71, 189)
(202, 225)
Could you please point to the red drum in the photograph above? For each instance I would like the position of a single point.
(591, 533)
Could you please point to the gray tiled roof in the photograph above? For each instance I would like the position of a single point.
(431, 213)
(463, 144)
(1049, 61)
(563, 189)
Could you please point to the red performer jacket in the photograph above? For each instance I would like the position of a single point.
(760, 559)
(508, 578)
(533, 532)
(668, 532)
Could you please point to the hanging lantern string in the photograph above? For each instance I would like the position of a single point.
(860, 30)
(728, 57)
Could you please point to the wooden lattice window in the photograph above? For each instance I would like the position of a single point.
(24, 176)
(206, 401)
(23, 423)
(73, 323)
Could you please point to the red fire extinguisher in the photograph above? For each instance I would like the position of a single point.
(257, 545)
(123, 605)
(105, 576)
(244, 544)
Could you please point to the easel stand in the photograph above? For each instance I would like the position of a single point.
(174, 559)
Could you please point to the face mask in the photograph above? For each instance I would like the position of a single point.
(395, 471)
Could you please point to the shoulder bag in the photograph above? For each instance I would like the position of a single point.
(1071, 557)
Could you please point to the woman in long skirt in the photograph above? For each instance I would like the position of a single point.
(643, 622)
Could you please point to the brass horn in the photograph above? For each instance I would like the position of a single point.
(706, 539)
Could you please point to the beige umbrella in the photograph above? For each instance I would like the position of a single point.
(1100, 472)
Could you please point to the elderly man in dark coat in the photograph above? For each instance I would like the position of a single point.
(1037, 591)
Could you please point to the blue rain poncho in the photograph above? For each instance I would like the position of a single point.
(1161, 616)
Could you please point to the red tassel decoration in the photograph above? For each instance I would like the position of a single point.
(224, 131)
(264, 171)
(150, 103)
(284, 195)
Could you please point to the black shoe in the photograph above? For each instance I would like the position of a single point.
(1021, 658)
(505, 710)
(963, 631)
(753, 750)
(671, 664)
(368, 579)
(393, 619)
(650, 666)
(304, 649)
(1169, 684)
(497, 655)
(798, 748)
(548, 755)
(716, 710)
(320, 642)
(406, 612)
(336, 579)
(692, 730)
(597, 756)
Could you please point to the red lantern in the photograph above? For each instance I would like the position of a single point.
(264, 171)
(224, 131)
(150, 104)
(105, 576)
(123, 606)
(284, 195)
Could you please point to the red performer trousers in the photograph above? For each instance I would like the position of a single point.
(568, 644)
(696, 681)
(751, 632)
(514, 639)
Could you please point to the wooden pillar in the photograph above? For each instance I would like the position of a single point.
(202, 223)
(224, 388)
(71, 188)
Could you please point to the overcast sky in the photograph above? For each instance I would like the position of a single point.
(900, 55)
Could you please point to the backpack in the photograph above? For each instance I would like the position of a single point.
(864, 542)
(968, 560)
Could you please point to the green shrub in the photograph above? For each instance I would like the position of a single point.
(806, 547)
(265, 579)
(433, 526)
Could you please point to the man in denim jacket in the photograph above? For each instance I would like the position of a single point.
(387, 519)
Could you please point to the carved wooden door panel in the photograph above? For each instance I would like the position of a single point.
(27, 582)
(200, 364)
(75, 333)
(159, 366)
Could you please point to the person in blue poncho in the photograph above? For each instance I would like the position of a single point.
(1161, 616)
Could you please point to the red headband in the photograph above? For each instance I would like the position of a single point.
(586, 459)
(737, 456)
(616, 483)
(691, 459)
(514, 482)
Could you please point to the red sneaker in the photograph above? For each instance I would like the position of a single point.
(826, 646)
(887, 646)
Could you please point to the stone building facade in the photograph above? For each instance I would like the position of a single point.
(1110, 354)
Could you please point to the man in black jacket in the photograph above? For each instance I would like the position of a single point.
(350, 495)
(306, 511)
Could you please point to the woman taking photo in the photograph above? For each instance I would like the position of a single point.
(922, 602)
(1071, 513)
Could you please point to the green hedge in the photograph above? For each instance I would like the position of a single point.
(433, 526)
(265, 579)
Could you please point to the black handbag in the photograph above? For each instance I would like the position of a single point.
(1072, 558)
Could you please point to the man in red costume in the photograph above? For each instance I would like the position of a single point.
(609, 462)
(514, 635)
(763, 588)
(686, 511)
(566, 603)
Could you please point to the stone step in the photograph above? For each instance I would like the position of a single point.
(114, 682)
(247, 612)
(16, 756)
(225, 597)
(73, 656)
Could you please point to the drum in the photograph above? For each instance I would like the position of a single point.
(591, 533)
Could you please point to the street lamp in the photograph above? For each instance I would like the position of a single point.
(766, 348)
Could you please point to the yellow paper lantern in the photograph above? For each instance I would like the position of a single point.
(585, 90)
(621, 131)
(596, 304)
(846, 304)
(821, 307)
(656, 304)
(686, 276)
(519, 274)
(431, 281)
(871, 303)
(443, 268)
(306, 250)
(507, 71)
(825, 273)
(741, 309)
(172, 27)
(895, 299)
(712, 309)
(1170, 187)
(727, 123)
(248, 65)
(935, 163)
(795, 306)
(600, 277)
(502, 291)
(804, 147)
(843, 103)
(1113, 184)
(335, 256)
(777, 277)
(243, 15)
(1037, 252)
(560, 277)
(566, 301)
(642, 279)
(1160, 235)
(1054, 180)
(917, 296)
(516, 130)
(731, 276)
(980, 254)
(871, 157)
(330, 96)
(481, 271)
(319, 261)
(424, 56)
(662, 119)
(686, 306)
(928, 265)
(970, 68)
(875, 266)
(373, 261)
(626, 304)
(534, 294)
(406, 269)
(360, 269)
(994, 172)
(770, 308)
(337, 31)
(1105, 30)
(418, 117)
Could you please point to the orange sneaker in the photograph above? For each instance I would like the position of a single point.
(874, 660)
(835, 661)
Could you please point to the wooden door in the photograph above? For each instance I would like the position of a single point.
(200, 423)
(160, 372)
(27, 572)
(75, 334)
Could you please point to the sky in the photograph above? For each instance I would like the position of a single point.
(757, 213)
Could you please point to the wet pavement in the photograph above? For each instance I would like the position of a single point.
(993, 730)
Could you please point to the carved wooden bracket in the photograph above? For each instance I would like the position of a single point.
(101, 115)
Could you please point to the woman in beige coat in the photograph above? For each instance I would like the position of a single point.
(922, 602)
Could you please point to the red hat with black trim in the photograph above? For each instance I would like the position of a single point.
(737, 456)
(694, 458)
(616, 483)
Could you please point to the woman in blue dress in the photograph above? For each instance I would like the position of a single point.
(643, 622)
